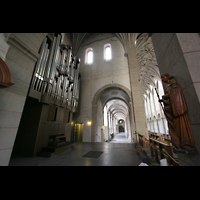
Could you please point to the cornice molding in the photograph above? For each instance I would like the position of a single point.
(19, 45)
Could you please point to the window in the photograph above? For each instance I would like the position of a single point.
(89, 56)
(107, 52)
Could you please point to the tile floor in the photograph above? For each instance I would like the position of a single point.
(114, 154)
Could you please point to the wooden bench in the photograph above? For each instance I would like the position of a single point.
(55, 140)
(155, 135)
(160, 136)
(142, 140)
(162, 149)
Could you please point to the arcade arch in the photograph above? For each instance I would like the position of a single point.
(117, 117)
(114, 101)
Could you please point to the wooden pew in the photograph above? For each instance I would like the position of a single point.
(155, 135)
(142, 140)
(162, 149)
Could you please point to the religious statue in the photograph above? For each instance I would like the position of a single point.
(175, 110)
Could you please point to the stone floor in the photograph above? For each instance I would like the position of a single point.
(115, 153)
(121, 138)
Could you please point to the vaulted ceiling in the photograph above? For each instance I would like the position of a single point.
(118, 108)
(117, 101)
(147, 64)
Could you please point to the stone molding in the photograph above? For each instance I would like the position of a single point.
(19, 45)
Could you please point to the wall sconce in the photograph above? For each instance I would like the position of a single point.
(88, 122)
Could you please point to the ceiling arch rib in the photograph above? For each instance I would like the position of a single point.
(147, 63)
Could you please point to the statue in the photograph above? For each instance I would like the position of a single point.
(175, 110)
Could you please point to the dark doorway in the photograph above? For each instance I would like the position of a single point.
(121, 129)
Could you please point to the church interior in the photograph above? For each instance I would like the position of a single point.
(99, 99)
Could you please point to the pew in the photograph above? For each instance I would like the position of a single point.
(162, 149)
(155, 135)
(142, 140)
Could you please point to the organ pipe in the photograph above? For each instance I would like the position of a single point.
(37, 68)
(49, 64)
(57, 73)
(54, 66)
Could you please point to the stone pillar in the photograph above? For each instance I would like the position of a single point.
(136, 89)
(179, 55)
(108, 125)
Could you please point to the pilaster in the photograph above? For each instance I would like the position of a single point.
(136, 89)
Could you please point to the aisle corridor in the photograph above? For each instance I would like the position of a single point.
(120, 138)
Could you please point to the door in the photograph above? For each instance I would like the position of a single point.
(78, 133)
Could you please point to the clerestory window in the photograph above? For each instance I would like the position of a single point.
(107, 52)
(89, 56)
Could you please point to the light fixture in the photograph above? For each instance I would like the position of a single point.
(89, 122)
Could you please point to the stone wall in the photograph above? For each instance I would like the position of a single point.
(99, 74)
(20, 59)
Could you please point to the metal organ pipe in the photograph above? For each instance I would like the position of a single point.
(63, 61)
(49, 65)
(57, 73)
(64, 88)
(68, 61)
(53, 68)
(37, 68)
(43, 69)
(56, 93)
(76, 74)
(77, 93)
(47, 71)
(42, 56)
(42, 66)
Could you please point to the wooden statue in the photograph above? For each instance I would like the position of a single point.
(175, 110)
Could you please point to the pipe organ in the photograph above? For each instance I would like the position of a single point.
(56, 77)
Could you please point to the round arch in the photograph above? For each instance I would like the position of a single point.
(117, 98)
(94, 107)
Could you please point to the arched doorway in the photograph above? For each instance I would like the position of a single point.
(117, 95)
(121, 129)
(121, 124)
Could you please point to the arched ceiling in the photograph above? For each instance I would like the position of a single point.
(114, 93)
(118, 108)
(147, 64)
(117, 101)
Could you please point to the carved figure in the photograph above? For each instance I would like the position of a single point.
(175, 110)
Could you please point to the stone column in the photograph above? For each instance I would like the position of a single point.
(136, 89)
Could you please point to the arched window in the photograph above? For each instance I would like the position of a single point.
(107, 52)
(89, 56)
